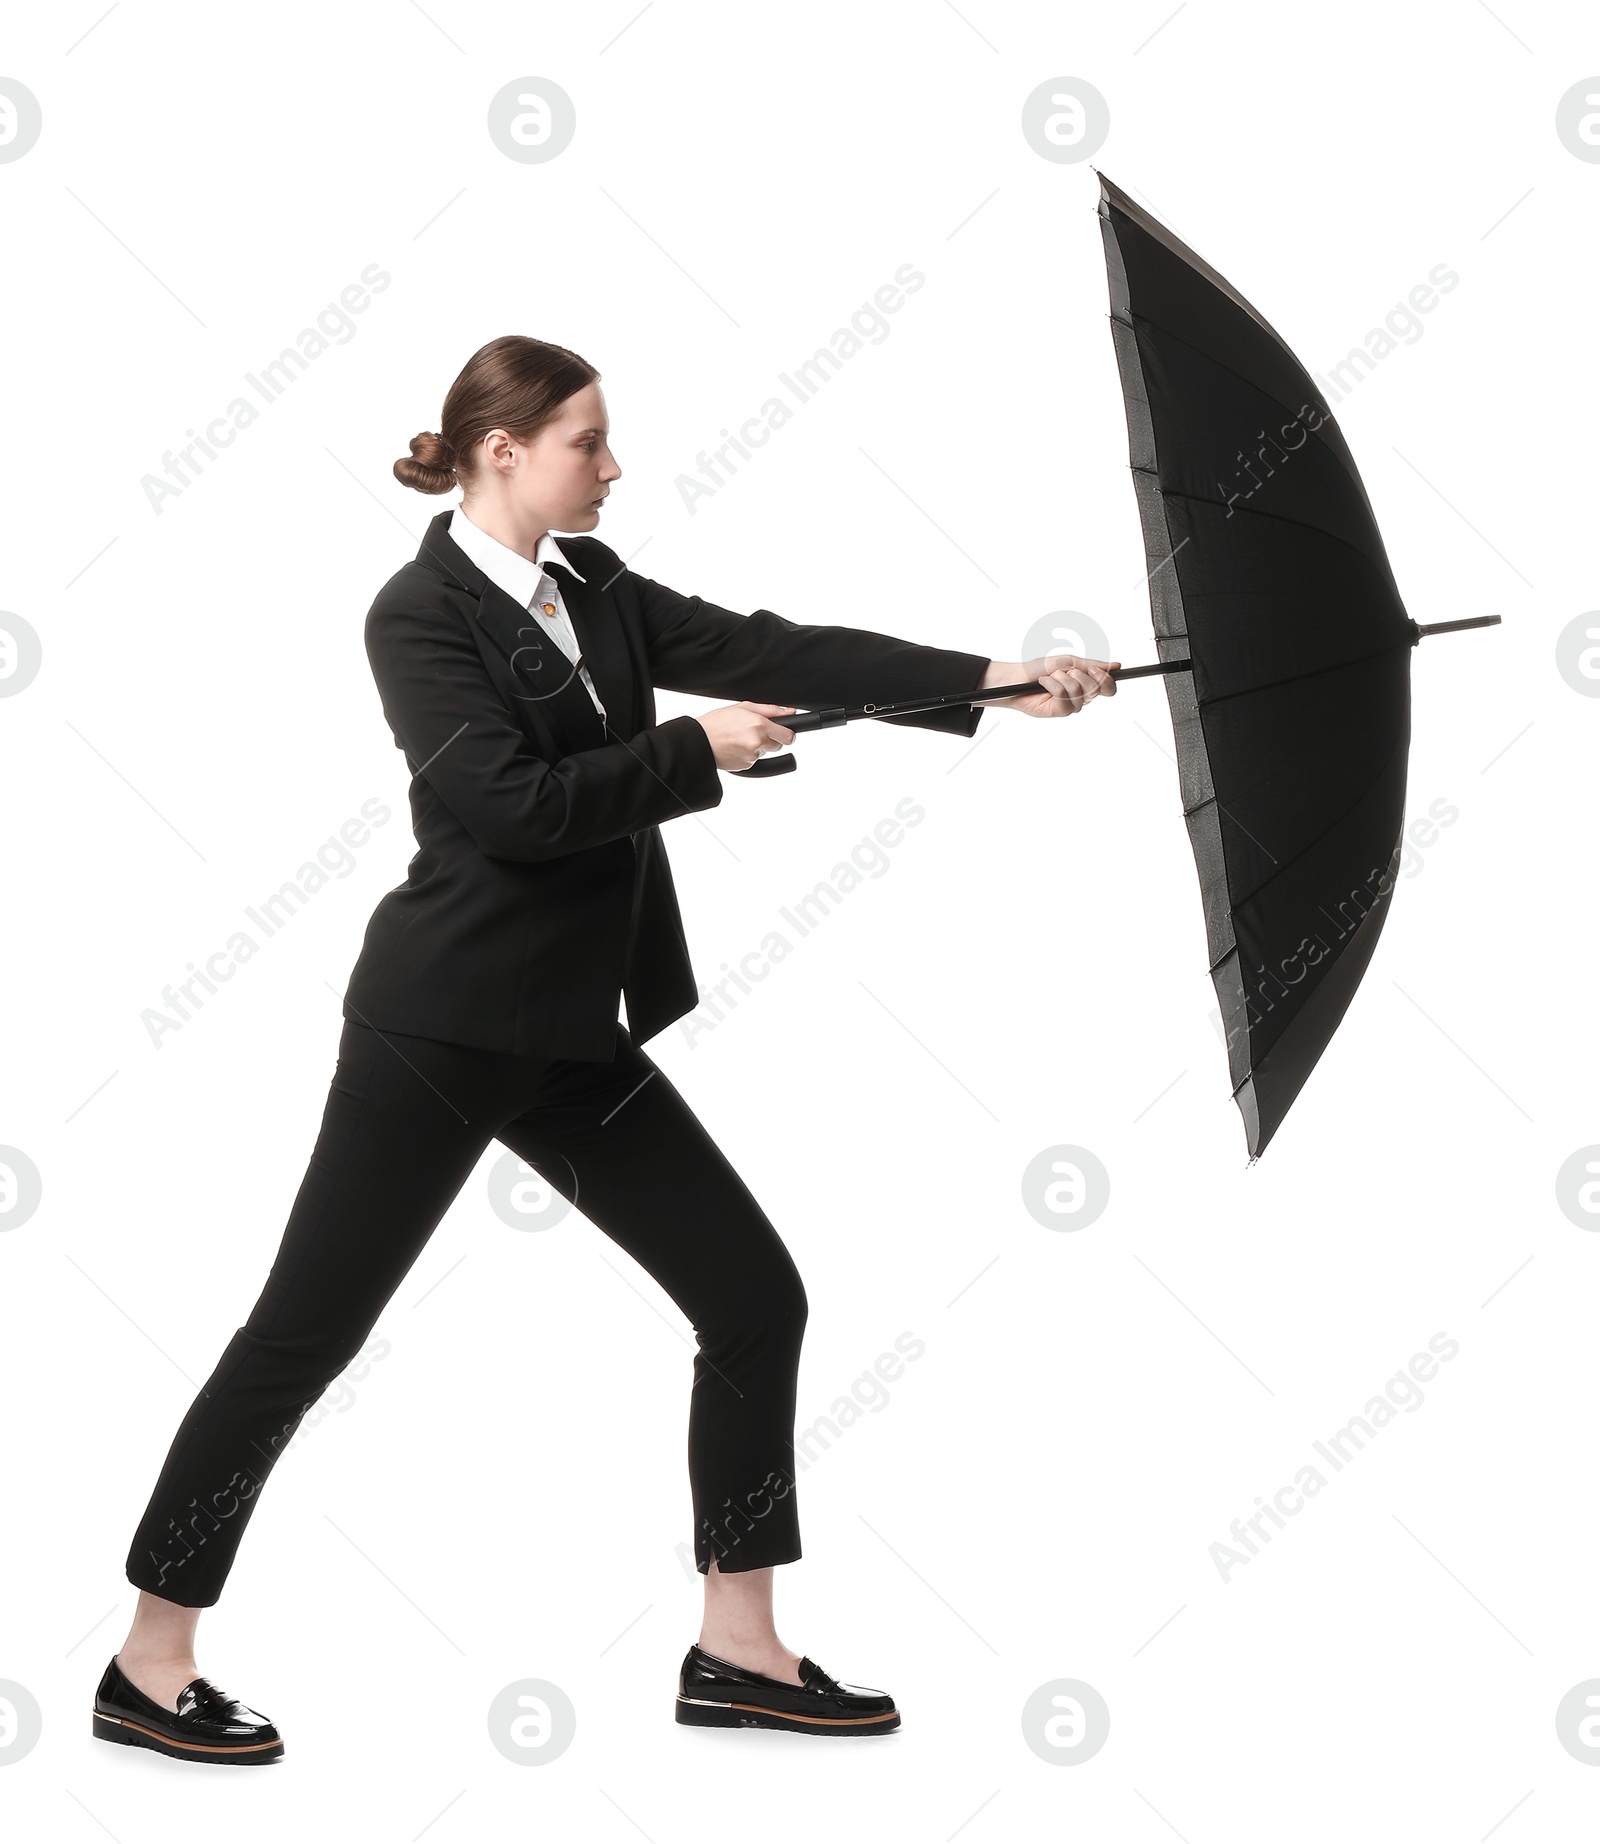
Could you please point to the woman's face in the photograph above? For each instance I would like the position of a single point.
(561, 477)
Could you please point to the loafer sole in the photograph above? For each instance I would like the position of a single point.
(132, 1734)
(705, 1713)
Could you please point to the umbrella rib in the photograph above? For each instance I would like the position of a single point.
(1311, 844)
(1250, 1074)
(1281, 518)
(1234, 372)
(1350, 471)
(1212, 801)
(1255, 1069)
(1174, 245)
(1301, 678)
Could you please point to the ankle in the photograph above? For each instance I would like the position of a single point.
(745, 1638)
(743, 1648)
(132, 1655)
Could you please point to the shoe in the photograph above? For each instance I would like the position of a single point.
(208, 1724)
(716, 1694)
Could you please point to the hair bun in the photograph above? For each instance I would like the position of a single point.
(430, 467)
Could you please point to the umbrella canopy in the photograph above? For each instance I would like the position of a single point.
(1268, 574)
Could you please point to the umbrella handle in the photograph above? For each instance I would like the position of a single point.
(800, 722)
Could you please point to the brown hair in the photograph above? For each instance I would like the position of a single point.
(513, 383)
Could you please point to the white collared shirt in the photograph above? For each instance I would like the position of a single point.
(528, 583)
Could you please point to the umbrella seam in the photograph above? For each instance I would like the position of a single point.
(1377, 910)
(1312, 844)
(1303, 677)
(1282, 518)
(1169, 240)
(1351, 473)
(1133, 322)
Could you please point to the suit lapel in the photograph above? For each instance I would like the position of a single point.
(604, 649)
(545, 675)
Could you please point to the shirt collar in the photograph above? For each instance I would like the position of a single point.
(517, 575)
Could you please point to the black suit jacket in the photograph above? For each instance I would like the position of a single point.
(540, 891)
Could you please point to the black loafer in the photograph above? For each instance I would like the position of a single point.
(715, 1694)
(208, 1724)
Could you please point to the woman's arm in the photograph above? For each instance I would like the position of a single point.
(697, 647)
(457, 734)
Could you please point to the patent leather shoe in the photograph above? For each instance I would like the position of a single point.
(714, 1693)
(208, 1724)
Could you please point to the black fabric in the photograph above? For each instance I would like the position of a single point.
(1268, 572)
(406, 1122)
(540, 892)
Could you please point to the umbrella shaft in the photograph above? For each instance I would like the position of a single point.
(804, 721)
(1032, 685)
(1455, 627)
(842, 714)
(1144, 672)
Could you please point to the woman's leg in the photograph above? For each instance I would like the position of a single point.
(621, 1143)
(405, 1122)
(158, 1653)
(736, 1624)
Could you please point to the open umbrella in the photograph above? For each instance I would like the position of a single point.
(1285, 647)
(1268, 574)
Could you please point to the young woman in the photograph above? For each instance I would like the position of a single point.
(517, 675)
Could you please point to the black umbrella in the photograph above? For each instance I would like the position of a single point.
(1268, 574)
(1285, 647)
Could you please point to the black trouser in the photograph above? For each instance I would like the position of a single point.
(407, 1120)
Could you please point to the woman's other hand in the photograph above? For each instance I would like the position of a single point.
(742, 733)
(1066, 683)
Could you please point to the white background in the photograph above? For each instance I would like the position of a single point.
(503, 1495)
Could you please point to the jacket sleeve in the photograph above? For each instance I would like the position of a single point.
(695, 646)
(453, 725)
